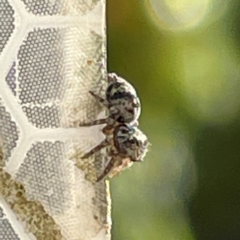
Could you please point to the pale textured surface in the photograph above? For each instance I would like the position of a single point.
(51, 54)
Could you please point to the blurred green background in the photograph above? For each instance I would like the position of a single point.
(183, 58)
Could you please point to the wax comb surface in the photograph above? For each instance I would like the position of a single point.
(52, 53)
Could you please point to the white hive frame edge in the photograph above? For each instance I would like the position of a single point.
(51, 54)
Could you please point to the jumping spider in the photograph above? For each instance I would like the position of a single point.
(125, 144)
(121, 101)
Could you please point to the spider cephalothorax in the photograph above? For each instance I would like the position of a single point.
(131, 141)
(121, 101)
(127, 144)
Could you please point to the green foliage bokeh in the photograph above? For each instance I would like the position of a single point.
(188, 80)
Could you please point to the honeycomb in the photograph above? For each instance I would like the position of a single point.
(59, 7)
(8, 131)
(51, 54)
(31, 213)
(43, 116)
(40, 58)
(11, 78)
(6, 230)
(6, 23)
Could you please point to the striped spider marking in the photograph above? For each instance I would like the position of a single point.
(121, 101)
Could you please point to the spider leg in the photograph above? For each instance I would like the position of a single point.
(107, 169)
(100, 146)
(108, 129)
(95, 122)
(99, 99)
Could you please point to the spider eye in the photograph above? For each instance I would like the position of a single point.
(124, 131)
(120, 119)
(132, 141)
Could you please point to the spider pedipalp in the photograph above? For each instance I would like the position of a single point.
(127, 144)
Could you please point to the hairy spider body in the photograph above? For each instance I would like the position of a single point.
(121, 101)
(126, 144)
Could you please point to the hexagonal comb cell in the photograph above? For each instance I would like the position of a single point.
(44, 116)
(11, 78)
(45, 174)
(40, 66)
(6, 231)
(6, 23)
(59, 7)
(8, 131)
(1, 213)
(53, 88)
